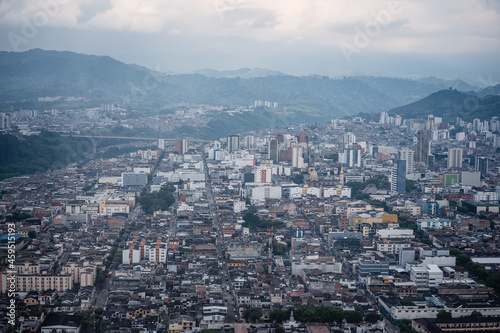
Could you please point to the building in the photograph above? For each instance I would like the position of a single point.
(233, 143)
(134, 179)
(398, 177)
(297, 157)
(32, 282)
(408, 155)
(62, 323)
(181, 146)
(423, 147)
(406, 256)
(433, 223)
(455, 158)
(481, 165)
(273, 152)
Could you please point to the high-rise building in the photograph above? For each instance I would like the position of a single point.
(297, 157)
(398, 177)
(423, 147)
(233, 143)
(481, 165)
(455, 158)
(384, 118)
(4, 121)
(273, 151)
(302, 137)
(351, 157)
(181, 146)
(250, 142)
(408, 155)
(348, 139)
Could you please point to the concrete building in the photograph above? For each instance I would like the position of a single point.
(455, 158)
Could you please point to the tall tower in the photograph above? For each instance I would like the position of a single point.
(233, 143)
(423, 147)
(408, 155)
(481, 165)
(273, 150)
(398, 177)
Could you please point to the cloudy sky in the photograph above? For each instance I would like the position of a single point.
(447, 38)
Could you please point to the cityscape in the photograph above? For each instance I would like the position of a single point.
(249, 166)
(381, 225)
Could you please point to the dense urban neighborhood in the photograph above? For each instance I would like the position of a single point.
(354, 225)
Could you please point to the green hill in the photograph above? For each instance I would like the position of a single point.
(451, 104)
(26, 76)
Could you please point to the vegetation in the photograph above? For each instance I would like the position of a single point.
(155, 201)
(451, 104)
(372, 317)
(252, 314)
(406, 302)
(253, 222)
(477, 270)
(279, 249)
(443, 314)
(318, 314)
(405, 326)
(298, 179)
(39, 153)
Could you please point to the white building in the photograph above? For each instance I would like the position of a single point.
(408, 155)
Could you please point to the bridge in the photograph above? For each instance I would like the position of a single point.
(94, 138)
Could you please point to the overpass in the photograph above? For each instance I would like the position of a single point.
(93, 138)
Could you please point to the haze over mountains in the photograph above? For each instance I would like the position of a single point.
(26, 76)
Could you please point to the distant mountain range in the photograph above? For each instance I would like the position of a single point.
(244, 73)
(26, 76)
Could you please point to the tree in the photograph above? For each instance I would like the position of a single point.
(353, 316)
(443, 314)
(476, 314)
(32, 234)
(252, 314)
(298, 179)
(454, 252)
(372, 317)
(406, 302)
(279, 316)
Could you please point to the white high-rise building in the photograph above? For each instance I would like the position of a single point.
(348, 139)
(455, 158)
(408, 155)
(297, 158)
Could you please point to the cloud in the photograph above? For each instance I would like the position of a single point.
(422, 26)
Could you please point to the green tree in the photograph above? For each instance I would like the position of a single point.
(353, 317)
(454, 252)
(252, 314)
(372, 317)
(298, 179)
(406, 302)
(476, 314)
(443, 314)
(32, 234)
(279, 316)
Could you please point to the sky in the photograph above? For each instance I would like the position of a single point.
(445, 38)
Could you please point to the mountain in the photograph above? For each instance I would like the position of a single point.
(26, 76)
(451, 104)
(491, 90)
(242, 72)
